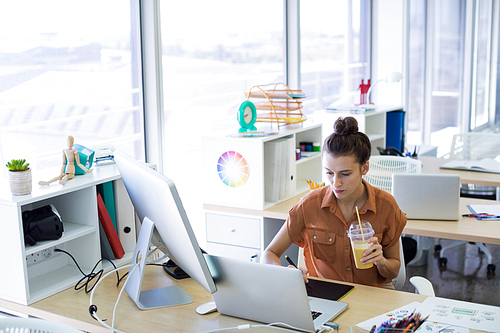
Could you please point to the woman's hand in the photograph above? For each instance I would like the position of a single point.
(305, 272)
(387, 263)
(374, 253)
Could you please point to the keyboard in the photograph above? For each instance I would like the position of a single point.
(316, 314)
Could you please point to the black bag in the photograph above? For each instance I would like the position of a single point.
(43, 223)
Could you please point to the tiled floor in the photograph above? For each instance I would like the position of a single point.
(465, 276)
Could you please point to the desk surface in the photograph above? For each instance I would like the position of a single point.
(465, 229)
(74, 304)
(432, 164)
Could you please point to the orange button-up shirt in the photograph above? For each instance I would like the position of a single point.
(316, 223)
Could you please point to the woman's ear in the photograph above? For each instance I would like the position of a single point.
(365, 167)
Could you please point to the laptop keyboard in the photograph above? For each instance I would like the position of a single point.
(316, 314)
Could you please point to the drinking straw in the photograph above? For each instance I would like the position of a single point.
(360, 227)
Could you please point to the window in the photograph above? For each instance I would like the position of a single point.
(211, 57)
(481, 64)
(335, 52)
(451, 62)
(416, 73)
(439, 108)
(69, 68)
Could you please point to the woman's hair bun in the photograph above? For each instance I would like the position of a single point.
(347, 125)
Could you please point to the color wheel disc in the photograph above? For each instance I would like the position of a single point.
(232, 169)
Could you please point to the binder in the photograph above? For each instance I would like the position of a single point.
(106, 251)
(106, 190)
(290, 187)
(109, 229)
(125, 216)
(271, 185)
(282, 143)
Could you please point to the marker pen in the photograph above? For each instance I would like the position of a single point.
(291, 263)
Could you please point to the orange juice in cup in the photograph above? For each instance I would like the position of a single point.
(359, 241)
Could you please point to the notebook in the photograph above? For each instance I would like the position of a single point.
(268, 294)
(427, 196)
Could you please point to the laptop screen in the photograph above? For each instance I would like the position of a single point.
(427, 196)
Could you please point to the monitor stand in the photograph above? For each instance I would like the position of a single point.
(154, 298)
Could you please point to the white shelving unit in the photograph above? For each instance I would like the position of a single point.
(245, 237)
(219, 150)
(372, 123)
(24, 282)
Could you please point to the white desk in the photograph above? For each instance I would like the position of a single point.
(466, 228)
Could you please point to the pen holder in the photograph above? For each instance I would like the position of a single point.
(388, 330)
(313, 185)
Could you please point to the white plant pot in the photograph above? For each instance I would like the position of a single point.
(20, 182)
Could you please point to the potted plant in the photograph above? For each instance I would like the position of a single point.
(19, 177)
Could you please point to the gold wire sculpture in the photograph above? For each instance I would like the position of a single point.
(277, 103)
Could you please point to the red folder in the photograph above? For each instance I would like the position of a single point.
(109, 229)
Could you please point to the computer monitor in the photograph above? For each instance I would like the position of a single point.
(155, 196)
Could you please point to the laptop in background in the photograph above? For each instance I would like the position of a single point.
(427, 196)
(268, 294)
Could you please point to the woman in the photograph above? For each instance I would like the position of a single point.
(320, 220)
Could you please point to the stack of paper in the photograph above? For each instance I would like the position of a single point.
(350, 108)
(492, 212)
(484, 165)
(451, 315)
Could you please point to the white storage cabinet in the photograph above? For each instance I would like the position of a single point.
(240, 236)
(27, 275)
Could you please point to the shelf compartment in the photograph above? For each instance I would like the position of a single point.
(54, 281)
(60, 271)
(308, 171)
(313, 156)
(71, 231)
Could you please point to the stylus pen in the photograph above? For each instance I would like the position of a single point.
(477, 215)
(494, 217)
(291, 263)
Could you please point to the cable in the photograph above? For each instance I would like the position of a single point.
(93, 307)
(288, 328)
(120, 294)
(92, 275)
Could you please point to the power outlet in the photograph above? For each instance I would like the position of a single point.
(40, 256)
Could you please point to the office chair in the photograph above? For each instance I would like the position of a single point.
(383, 166)
(422, 286)
(473, 146)
(399, 281)
(18, 324)
(380, 175)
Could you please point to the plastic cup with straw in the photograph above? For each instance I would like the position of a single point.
(359, 233)
(360, 226)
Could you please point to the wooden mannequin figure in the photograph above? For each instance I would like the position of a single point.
(70, 156)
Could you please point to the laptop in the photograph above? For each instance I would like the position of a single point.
(268, 294)
(427, 196)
